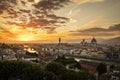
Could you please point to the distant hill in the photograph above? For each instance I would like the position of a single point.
(113, 41)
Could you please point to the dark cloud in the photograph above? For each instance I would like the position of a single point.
(30, 0)
(48, 5)
(50, 29)
(41, 15)
(7, 5)
(111, 31)
(114, 28)
(92, 34)
(93, 30)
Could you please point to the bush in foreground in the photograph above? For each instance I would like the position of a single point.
(20, 70)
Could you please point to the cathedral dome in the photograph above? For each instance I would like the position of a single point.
(94, 41)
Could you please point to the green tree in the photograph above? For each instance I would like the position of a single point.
(68, 61)
(70, 75)
(101, 68)
(20, 70)
(55, 67)
(13, 70)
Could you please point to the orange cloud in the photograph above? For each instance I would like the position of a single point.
(92, 23)
(23, 20)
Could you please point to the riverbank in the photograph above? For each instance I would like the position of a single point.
(108, 61)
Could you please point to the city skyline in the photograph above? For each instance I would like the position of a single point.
(47, 20)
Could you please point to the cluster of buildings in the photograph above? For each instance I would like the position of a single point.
(86, 49)
(48, 52)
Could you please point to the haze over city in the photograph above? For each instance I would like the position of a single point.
(47, 20)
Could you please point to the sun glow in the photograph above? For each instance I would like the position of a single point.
(26, 39)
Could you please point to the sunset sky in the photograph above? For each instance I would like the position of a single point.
(47, 20)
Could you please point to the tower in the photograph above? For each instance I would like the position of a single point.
(59, 40)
